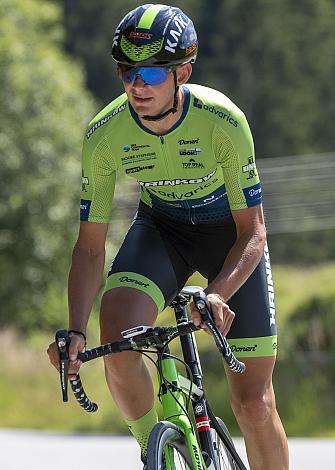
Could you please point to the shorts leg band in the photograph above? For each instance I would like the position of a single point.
(139, 282)
(254, 347)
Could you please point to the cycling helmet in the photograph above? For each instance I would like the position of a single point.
(156, 36)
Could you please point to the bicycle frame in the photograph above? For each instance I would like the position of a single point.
(173, 401)
(174, 406)
(173, 387)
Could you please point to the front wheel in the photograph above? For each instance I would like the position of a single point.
(226, 455)
(167, 448)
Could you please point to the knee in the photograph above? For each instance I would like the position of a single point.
(120, 365)
(121, 309)
(256, 408)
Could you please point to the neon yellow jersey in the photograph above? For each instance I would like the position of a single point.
(198, 172)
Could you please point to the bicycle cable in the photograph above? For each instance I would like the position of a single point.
(169, 385)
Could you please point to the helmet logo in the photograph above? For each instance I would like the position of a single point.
(116, 36)
(180, 24)
(191, 48)
(137, 35)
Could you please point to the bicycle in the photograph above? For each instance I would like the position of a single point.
(181, 441)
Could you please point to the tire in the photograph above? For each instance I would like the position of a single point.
(167, 437)
(227, 457)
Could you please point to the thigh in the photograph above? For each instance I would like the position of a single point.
(253, 332)
(124, 308)
(150, 262)
(255, 382)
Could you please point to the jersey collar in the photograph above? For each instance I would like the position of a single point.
(180, 120)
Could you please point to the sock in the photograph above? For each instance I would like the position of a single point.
(141, 428)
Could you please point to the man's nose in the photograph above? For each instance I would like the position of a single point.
(138, 82)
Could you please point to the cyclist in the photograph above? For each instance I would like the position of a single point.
(191, 150)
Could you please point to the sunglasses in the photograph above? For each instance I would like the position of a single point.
(150, 75)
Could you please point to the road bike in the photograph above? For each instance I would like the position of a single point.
(190, 437)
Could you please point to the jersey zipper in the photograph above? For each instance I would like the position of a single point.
(162, 140)
(161, 137)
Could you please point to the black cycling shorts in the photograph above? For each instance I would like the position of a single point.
(158, 256)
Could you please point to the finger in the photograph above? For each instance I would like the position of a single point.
(53, 354)
(195, 315)
(76, 345)
(227, 322)
(74, 367)
(218, 315)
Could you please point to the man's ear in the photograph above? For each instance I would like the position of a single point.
(183, 73)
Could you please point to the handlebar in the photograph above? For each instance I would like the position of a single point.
(204, 308)
(63, 342)
(141, 338)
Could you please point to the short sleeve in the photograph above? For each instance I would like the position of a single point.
(235, 154)
(98, 182)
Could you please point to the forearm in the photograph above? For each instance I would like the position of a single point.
(84, 282)
(241, 261)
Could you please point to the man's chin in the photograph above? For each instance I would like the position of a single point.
(142, 110)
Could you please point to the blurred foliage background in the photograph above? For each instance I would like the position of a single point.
(276, 61)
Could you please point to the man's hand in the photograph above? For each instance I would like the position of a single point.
(77, 344)
(222, 314)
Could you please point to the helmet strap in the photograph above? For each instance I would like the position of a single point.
(173, 110)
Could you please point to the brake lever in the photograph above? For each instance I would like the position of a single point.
(202, 304)
(204, 308)
(63, 342)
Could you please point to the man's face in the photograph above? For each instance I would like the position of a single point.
(150, 99)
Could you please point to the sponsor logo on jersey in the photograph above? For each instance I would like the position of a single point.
(188, 142)
(84, 182)
(138, 158)
(271, 290)
(210, 200)
(192, 164)
(194, 151)
(255, 192)
(250, 168)
(104, 120)
(135, 147)
(188, 194)
(135, 169)
(222, 114)
(176, 30)
(253, 195)
(85, 206)
(176, 182)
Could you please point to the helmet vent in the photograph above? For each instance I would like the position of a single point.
(140, 53)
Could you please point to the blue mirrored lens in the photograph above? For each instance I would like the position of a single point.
(150, 75)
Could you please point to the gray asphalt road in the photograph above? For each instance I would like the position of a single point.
(28, 450)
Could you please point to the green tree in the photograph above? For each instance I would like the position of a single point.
(90, 28)
(44, 109)
(274, 59)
